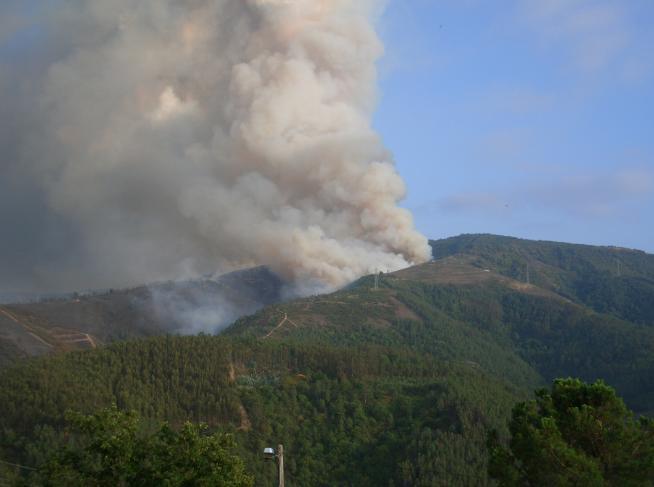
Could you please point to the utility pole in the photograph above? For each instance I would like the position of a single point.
(376, 280)
(528, 275)
(270, 454)
(280, 464)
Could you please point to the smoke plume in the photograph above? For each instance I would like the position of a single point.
(157, 139)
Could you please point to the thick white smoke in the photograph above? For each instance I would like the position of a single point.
(181, 137)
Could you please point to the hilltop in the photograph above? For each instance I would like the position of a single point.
(611, 280)
(472, 306)
(395, 378)
(86, 321)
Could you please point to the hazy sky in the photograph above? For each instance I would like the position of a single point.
(532, 118)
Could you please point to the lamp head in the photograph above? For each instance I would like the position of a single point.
(268, 453)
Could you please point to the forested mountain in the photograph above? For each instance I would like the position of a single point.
(392, 381)
(611, 280)
(454, 310)
(346, 415)
(86, 321)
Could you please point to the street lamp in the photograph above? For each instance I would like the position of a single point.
(269, 454)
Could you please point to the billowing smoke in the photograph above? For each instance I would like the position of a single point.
(158, 139)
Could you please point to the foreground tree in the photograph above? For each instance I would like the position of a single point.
(111, 448)
(576, 434)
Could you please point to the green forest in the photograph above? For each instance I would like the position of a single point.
(395, 380)
(341, 413)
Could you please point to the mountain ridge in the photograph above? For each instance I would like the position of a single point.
(600, 278)
(394, 379)
(84, 321)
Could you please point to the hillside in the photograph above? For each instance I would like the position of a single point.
(611, 280)
(392, 380)
(362, 416)
(456, 311)
(87, 321)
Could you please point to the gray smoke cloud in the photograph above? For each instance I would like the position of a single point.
(159, 139)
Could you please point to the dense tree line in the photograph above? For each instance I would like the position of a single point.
(524, 338)
(609, 280)
(575, 434)
(112, 448)
(358, 393)
(346, 416)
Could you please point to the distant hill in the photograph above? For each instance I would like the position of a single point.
(27, 297)
(611, 280)
(393, 380)
(86, 321)
(459, 308)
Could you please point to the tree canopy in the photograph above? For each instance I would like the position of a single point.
(576, 434)
(113, 448)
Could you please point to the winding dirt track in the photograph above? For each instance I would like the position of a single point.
(29, 329)
(62, 338)
(280, 324)
(77, 338)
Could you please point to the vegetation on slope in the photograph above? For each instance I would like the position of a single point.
(389, 383)
(77, 322)
(521, 333)
(346, 416)
(111, 448)
(610, 280)
(576, 434)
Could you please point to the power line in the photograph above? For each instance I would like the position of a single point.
(19, 466)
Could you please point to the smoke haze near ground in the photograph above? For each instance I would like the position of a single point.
(161, 139)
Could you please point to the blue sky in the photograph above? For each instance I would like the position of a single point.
(532, 118)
